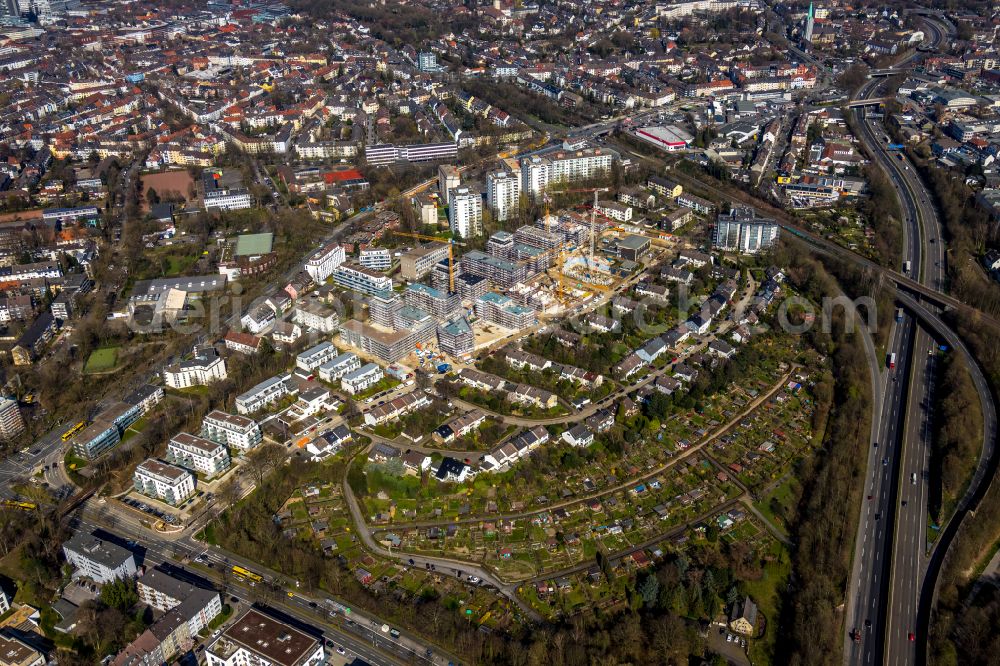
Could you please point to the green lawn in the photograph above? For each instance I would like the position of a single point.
(101, 360)
(73, 461)
(766, 592)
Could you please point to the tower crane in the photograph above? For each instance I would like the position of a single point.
(593, 218)
(451, 253)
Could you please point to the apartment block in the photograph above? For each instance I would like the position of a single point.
(388, 346)
(501, 272)
(503, 194)
(206, 367)
(100, 561)
(439, 304)
(260, 396)
(503, 311)
(337, 367)
(11, 421)
(465, 213)
(256, 639)
(449, 178)
(198, 454)
(416, 263)
(537, 173)
(163, 481)
(356, 381)
(187, 610)
(742, 231)
(382, 309)
(317, 316)
(456, 337)
(316, 356)
(376, 259)
(323, 262)
(358, 278)
(237, 432)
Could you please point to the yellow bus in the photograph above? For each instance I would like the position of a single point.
(24, 506)
(75, 429)
(246, 574)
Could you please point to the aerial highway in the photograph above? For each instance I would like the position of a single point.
(892, 592)
(898, 633)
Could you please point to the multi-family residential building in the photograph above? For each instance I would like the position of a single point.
(503, 194)
(163, 592)
(376, 258)
(538, 173)
(145, 397)
(256, 639)
(259, 319)
(244, 343)
(100, 561)
(356, 381)
(449, 178)
(456, 337)
(416, 263)
(316, 356)
(263, 394)
(324, 261)
(206, 367)
(465, 212)
(198, 454)
(237, 432)
(187, 611)
(11, 421)
(439, 304)
(15, 651)
(615, 210)
(388, 346)
(503, 311)
(501, 272)
(163, 481)
(316, 316)
(339, 366)
(742, 231)
(358, 278)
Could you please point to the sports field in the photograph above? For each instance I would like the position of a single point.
(101, 360)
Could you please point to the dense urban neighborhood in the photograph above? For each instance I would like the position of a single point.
(495, 332)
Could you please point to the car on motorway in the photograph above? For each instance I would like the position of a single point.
(341, 650)
(913, 478)
(912, 637)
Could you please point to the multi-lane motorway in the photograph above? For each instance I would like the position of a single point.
(891, 587)
(889, 552)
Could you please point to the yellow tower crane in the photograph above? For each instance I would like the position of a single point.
(451, 252)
